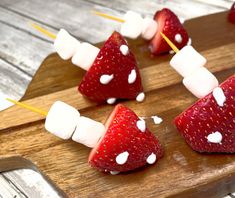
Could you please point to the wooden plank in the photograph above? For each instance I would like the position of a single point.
(21, 54)
(71, 20)
(182, 8)
(22, 23)
(8, 190)
(12, 76)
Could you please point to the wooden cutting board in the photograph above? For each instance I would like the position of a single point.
(180, 173)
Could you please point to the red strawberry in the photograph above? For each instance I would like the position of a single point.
(169, 24)
(208, 127)
(231, 15)
(124, 142)
(111, 61)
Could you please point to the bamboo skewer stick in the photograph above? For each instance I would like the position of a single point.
(36, 110)
(43, 31)
(107, 16)
(172, 45)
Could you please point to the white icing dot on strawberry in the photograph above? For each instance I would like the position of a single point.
(178, 38)
(215, 137)
(111, 100)
(124, 49)
(114, 172)
(105, 79)
(122, 158)
(141, 125)
(219, 96)
(107, 76)
(123, 147)
(132, 76)
(151, 159)
(140, 97)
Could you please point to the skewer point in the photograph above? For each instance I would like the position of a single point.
(36, 110)
(172, 45)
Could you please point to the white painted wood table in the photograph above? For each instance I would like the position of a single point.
(22, 49)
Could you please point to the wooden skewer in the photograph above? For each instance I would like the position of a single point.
(36, 110)
(44, 31)
(172, 45)
(108, 16)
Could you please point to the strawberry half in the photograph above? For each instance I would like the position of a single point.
(208, 127)
(231, 15)
(170, 25)
(114, 73)
(124, 146)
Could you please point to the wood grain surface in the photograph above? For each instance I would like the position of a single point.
(181, 173)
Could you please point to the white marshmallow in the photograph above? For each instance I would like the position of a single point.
(88, 131)
(132, 27)
(85, 56)
(187, 60)
(62, 120)
(149, 28)
(201, 82)
(65, 44)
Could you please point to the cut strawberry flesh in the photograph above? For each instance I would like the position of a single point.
(206, 117)
(122, 135)
(170, 25)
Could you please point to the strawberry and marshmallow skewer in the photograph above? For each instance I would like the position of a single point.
(209, 124)
(112, 71)
(164, 21)
(190, 65)
(123, 144)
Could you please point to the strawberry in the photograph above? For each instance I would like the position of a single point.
(108, 77)
(125, 146)
(231, 15)
(208, 127)
(169, 24)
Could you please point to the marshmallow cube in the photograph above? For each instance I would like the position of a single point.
(201, 82)
(88, 132)
(132, 27)
(149, 28)
(187, 61)
(62, 120)
(65, 44)
(85, 56)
